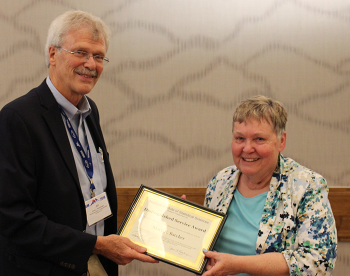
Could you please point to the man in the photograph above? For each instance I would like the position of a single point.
(55, 166)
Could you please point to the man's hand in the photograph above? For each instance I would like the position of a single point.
(120, 250)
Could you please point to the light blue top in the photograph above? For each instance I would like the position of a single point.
(240, 232)
(77, 116)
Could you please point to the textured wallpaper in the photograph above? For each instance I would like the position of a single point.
(178, 69)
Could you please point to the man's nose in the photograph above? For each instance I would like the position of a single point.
(90, 62)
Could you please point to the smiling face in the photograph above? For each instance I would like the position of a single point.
(255, 149)
(74, 77)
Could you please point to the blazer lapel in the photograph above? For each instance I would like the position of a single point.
(268, 219)
(56, 125)
(271, 209)
(224, 198)
(96, 133)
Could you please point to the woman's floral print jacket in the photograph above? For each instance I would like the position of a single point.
(297, 219)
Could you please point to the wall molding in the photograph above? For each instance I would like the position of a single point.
(339, 198)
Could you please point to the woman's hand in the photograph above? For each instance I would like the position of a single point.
(220, 264)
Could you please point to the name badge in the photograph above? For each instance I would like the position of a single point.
(97, 209)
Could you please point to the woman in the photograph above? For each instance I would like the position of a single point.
(279, 220)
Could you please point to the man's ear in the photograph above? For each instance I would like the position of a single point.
(52, 55)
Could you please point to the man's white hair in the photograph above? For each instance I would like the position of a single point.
(73, 20)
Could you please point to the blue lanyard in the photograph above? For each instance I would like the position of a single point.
(86, 157)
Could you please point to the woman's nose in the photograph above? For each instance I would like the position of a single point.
(248, 146)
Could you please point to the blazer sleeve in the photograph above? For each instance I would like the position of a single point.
(21, 221)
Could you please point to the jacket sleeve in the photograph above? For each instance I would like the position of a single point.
(316, 237)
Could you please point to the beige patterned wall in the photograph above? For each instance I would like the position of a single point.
(179, 67)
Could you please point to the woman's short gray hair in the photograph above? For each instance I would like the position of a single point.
(262, 108)
(73, 20)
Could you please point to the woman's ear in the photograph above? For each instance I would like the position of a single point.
(283, 141)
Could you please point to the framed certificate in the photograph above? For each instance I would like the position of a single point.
(172, 229)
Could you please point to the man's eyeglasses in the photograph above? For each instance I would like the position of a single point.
(101, 60)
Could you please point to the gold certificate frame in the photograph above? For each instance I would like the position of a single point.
(172, 229)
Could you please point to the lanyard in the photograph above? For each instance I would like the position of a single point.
(86, 157)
